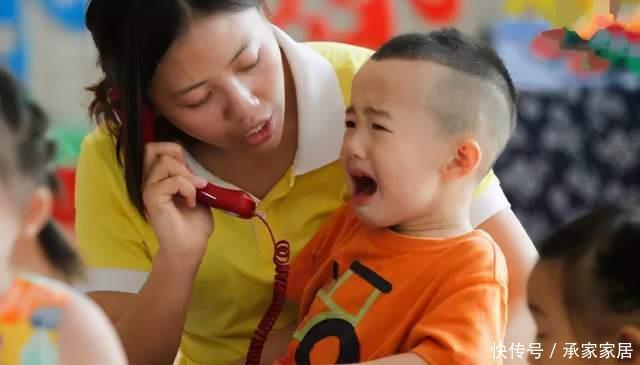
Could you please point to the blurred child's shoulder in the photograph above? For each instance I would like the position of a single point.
(33, 297)
(32, 291)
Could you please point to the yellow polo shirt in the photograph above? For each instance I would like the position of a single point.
(234, 284)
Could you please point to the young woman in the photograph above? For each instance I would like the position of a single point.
(238, 103)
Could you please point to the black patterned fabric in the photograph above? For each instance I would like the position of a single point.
(571, 150)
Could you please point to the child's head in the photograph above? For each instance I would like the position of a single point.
(25, 156)
(429, 114)
(586, 286)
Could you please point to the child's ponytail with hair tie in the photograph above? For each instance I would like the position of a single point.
(59, 253)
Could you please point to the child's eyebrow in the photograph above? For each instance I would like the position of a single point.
(371, 111)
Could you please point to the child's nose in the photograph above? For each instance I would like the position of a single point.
(355, 146)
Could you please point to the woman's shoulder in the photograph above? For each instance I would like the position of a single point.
(99, 140)
(98, 160)
(343, 57)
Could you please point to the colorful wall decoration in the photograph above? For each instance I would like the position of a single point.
(375, 19)
(592, 35)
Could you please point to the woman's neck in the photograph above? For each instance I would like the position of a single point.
(262, 176)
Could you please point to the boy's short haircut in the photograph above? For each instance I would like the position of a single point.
(476, 70)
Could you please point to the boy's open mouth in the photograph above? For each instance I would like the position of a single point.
(364, 185)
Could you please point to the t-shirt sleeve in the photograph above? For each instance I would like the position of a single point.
(315, 252)
(468, 318)
(108, 236)
(488, 199)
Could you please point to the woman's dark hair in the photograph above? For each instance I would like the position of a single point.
(131, 37)
(27, 156)
(599, 253)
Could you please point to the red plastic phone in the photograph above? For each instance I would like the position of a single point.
(235, 202)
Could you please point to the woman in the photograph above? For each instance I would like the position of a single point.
(253, 110)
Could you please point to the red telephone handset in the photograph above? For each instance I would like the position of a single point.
(235, 202)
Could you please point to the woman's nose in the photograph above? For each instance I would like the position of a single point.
(242, 103)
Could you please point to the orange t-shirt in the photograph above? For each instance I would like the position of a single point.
(367, 293)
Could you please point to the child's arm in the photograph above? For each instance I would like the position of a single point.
(87, 337)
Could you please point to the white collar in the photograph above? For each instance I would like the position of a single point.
(320, 110)
(320, 105)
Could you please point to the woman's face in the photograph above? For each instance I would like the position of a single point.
(222, 82)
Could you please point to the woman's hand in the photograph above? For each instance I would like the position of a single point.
(169, 193)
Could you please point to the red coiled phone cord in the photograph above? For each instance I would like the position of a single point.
(281, 255)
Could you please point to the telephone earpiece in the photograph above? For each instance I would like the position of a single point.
(147, 117)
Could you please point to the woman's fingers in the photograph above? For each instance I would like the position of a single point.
(153, 151)
(166, 166)
(163, 192)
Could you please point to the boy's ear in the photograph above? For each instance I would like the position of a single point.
(465, 160)
(36, 213)
(629, 336)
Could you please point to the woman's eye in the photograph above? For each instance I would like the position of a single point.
(201, 102)
(252, 66)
